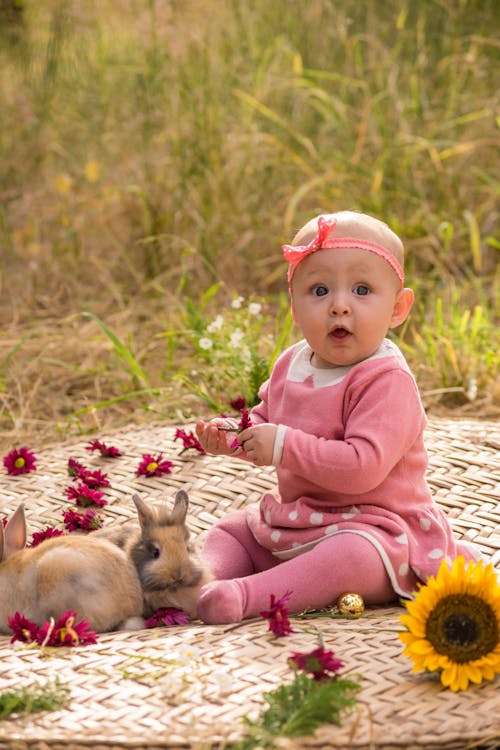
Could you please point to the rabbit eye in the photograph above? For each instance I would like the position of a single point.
(154, 552)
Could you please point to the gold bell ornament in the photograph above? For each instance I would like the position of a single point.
(351, 605)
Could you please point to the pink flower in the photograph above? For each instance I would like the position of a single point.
(153, 467)
(23, 630)
(107, 451)
(239, 403)
(75, 467)
(167, 616)
(318, 663)
(91, 478)
(94, 479)
(20, 461)
(84, 496)
(244, 422)
(40, 536)
(88, 521)
(66, 632)
(277, 615)
(189, 440)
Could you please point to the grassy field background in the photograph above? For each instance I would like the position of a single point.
(155, 154)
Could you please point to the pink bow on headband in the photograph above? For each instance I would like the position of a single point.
(295, 253)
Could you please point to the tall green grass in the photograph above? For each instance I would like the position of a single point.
(151, 150)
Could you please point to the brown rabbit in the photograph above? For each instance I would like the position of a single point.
(169, 568)
(86, 575)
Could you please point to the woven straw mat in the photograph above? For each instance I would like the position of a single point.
(190, 686)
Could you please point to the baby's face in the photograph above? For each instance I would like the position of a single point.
(344, 301)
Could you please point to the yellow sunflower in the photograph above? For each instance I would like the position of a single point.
(453, 624)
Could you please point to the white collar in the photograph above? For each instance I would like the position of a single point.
(301, 368)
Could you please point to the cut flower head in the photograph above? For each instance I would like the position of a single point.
(453, 624)
(20, 461)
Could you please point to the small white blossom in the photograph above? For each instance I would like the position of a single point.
(186, 654)
(205, 343)
(172, 685)
(224, 682)
(236, 337)
(254, 308)
(237, 302)
(216, 324)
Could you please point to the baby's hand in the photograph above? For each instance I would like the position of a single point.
(258, 443)
(218, 436)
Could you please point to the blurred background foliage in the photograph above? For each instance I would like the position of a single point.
(156, 153)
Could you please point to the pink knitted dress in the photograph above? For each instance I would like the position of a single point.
(352, 460)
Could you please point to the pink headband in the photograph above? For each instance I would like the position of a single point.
(294, 254)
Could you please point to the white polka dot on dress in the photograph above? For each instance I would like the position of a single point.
(436, 553)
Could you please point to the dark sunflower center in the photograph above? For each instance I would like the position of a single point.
(460, 629)
(463, 627)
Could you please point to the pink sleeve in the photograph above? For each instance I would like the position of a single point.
(259, 413)
(385, 417)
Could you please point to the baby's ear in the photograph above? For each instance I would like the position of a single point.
(402, 306)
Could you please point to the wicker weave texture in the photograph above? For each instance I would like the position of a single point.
(190, 686)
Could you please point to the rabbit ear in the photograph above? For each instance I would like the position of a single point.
(15, 533)
(146, 515)
(181, 503)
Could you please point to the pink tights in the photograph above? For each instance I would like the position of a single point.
(247, 574)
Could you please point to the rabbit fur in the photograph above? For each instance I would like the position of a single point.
(170, 570)
(86, 575)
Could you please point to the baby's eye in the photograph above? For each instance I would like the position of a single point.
(361, 289)
(319, 290)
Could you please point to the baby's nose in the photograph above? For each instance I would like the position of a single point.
(340, 305)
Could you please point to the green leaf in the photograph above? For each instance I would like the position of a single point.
(298, 709)
(37, 697)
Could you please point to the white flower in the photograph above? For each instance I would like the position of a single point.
(254, 308)
(236, 337)
(224, 682)
(216, 324)
(236, 303)
(205, 343)
(172, 685)
(186, 654)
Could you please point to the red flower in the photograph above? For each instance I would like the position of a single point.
(84, 496)
(88, 521)
(189, 440)
(94, 479)
(239, 403)
(153, 467)
(318, 663)
(244, 422)
(40, 536)
(23, 630)
(75, 467)
(20, 461)
(66, 632)
(167, 616)
(107, 451)
(277, 615)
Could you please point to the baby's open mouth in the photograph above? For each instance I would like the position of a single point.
(339, 333)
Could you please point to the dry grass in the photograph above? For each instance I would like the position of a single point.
(151, 149)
